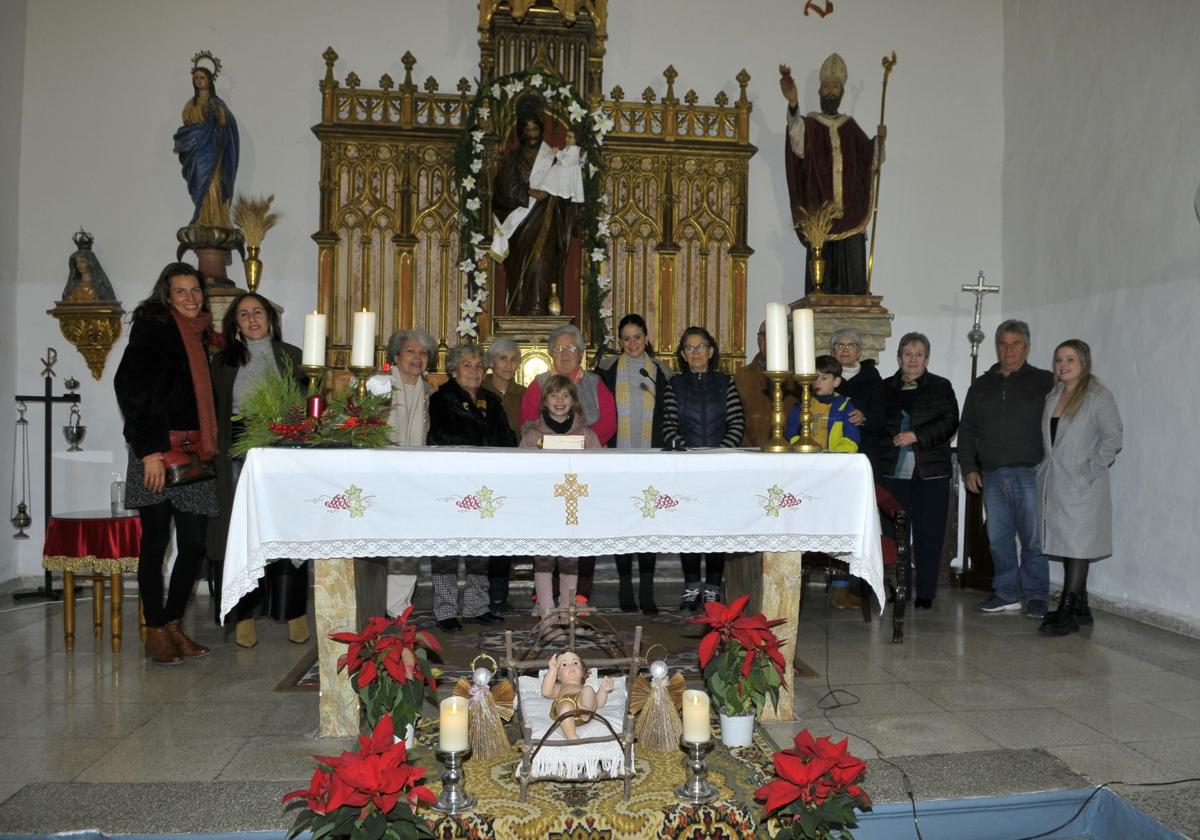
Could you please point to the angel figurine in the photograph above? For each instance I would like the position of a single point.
(656, 701)
(487, 710)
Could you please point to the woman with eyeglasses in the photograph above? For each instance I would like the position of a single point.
(566, 348)
(862, 383)
(638, 382)
(701, 409)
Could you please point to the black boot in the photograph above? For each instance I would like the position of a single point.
(646, 584)
(625, 583)
(693, 592)
(1063, 622)
(1083, 615)
(625, 593)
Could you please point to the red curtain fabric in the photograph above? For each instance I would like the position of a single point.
(105, 539)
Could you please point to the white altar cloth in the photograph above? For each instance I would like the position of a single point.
(321, 504)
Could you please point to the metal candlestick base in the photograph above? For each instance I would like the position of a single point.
(806, 443)
(362, 374)
(453, 799)
(778, 442)
(697, 789)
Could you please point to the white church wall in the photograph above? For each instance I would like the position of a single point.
(104, 84)
(1101, 242)
(12, 74)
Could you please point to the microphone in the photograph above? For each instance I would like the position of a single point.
(650, 378)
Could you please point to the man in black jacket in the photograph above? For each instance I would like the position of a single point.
(999, 447)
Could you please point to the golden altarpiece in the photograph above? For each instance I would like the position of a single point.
(674, 173)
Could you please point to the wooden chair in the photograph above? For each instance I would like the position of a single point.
(896, 559)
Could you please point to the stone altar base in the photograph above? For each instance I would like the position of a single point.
(864, 313)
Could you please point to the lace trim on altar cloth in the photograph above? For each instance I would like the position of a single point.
(477, 546)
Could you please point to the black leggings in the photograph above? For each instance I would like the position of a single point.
(190, 532)
(714, 567)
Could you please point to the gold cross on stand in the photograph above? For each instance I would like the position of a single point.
(571, 490)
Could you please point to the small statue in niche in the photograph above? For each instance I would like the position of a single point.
(86, 280)
(207, 144)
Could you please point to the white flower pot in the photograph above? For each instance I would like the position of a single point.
(737, 731)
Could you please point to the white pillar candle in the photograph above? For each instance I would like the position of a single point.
(777, 336)
(314, 340)
(362, 347)
(802, 335)
(696, 727)
(452, 725)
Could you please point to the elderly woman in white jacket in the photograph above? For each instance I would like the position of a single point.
(409, 352)
(1081, 433)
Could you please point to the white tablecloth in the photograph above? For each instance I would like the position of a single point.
(313, 504)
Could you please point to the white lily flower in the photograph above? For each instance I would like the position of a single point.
(605, 283)
(606, 313)
(476, 165)
(476, 238)
(466, 266)
(536, 80)
(564, 91)
(480, 254)
(495, 91)
(482, 294)
(476, 135)
(576, 112)
(466, 327)
(485, 112)
(468, 183)
(602, 229)
(473, 203)
(469, 308)
(599, 255)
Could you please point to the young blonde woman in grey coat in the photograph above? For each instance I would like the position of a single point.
(1081, 433)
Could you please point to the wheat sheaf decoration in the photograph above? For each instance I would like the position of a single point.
(253, 215)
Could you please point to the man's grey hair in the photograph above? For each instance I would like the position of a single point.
(502, 345)
(565, 329)
(913, 338)
(459, 354)
(845, 333)
(399, 338)
(1012, 325)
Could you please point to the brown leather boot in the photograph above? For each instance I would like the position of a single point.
(160, 649)
(186, 646)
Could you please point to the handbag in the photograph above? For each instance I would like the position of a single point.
(182, 461)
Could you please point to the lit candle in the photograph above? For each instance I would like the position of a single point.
(777, 336)
(314, 340)
(696, 727)
(452, 725)
(802, 334)
(362, 347)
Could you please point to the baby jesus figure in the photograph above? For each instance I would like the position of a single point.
(564, 684)
(565, 177)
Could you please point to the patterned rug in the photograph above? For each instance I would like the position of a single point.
(597, 810)
(670, 630)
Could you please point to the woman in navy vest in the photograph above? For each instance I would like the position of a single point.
(701, 409)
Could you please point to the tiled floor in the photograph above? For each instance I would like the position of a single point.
(967, 705)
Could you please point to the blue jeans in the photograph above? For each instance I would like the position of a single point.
(1010, 500)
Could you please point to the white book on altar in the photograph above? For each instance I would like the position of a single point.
(562, 441)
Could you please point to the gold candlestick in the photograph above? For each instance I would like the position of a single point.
(315, 404)
(777, 443)
(806, 443)
(361, 374)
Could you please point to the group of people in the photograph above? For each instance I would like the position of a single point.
(1036, 444)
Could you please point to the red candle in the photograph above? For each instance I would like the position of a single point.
(316, 405)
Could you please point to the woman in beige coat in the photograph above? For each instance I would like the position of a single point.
(1081, 433)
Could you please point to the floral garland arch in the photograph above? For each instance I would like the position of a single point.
(590, 129)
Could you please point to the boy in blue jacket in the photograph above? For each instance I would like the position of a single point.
(831, 411)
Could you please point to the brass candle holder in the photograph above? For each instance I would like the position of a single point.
(697, 789)
(778, 442)
(316, 401)
(454, 798)
(806, 443)
(361, 374)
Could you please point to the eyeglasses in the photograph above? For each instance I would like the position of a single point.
(689, 349)
(842, 346)
(566, 348)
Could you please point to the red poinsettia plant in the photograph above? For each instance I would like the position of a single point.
(815, 791)
(388, 665)
(741, 658)
(369, 794)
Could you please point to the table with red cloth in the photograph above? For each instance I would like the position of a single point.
(92, 545)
